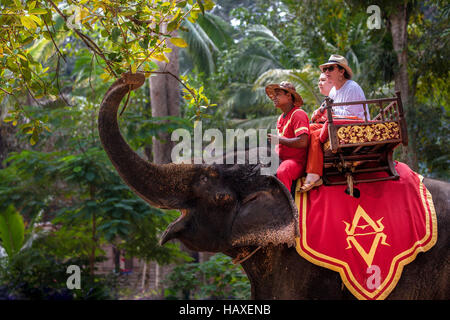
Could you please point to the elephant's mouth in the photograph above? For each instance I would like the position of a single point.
(175, 228)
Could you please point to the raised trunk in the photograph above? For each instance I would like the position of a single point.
(164, 186)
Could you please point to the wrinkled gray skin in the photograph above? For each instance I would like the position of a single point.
(234, 209)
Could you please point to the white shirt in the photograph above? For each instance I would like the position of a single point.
(350, 91)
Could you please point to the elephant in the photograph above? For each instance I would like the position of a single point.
(235, 210)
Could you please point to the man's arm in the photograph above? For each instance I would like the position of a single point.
(298, 142)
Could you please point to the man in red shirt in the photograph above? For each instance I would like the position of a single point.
(293, 132)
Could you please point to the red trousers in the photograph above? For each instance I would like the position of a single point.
(290, 170)
(315, 151)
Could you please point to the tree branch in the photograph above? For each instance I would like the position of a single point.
(54, 43)
(88, 41)
(178, 79)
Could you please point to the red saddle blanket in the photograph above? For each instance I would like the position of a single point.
(370, 239)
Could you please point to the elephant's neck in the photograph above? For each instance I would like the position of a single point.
(279, 272)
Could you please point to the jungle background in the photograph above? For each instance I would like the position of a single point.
(61, 201)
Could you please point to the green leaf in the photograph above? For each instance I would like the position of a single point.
(172, 25)
(90, 176)
(127, 13)
(181, 4)
(32, 5)
(36, 19)
(9, 119)
(202, 8)
(208, 5)
(12, 230)
(115, 33)
(179, 42)
(38, 11)
(123, 206)
(28, 23)
(34, 138)
(47, 35)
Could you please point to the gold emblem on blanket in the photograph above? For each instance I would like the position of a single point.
(377, 227)
(368, 133)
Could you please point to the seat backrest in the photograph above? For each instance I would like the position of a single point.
(387, 127)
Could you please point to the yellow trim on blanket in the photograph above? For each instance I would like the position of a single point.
(352, 285)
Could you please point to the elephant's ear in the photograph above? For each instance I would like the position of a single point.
(266, 216)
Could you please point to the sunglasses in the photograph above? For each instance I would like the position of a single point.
(330, 68)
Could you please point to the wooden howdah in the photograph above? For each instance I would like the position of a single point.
(364, 146)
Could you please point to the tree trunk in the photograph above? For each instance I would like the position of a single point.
(148, 108)
(158, 279)
(2, 146)
(144, 273)
(398, 21)
(94, 234)
(165, 101)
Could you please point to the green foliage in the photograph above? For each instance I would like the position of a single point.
(40, 38)
(89, 190)
(216, 278)
(37, 269)
(433, 150)
(143, 238)
(204, 38)
(11, 230)
(75, 186)
(35, 274)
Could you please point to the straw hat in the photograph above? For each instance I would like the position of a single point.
(286, 86)
(339, 60)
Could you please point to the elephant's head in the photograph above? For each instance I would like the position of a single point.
(222, 206)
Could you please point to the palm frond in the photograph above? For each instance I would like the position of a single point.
(204, 40)
(218, 30)
(262, 33)
(200, 48)
(255, 61)
(269, 122)
(303, 79)
(242, 100)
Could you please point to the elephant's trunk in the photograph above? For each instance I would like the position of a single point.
(164, 186)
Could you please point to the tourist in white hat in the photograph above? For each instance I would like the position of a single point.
(338, 72)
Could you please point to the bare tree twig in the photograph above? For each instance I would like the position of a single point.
(88, 41)
(54, 43)
(126, 102)
(57, 84)
(178, 79)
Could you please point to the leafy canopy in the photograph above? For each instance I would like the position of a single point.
(121, 36)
